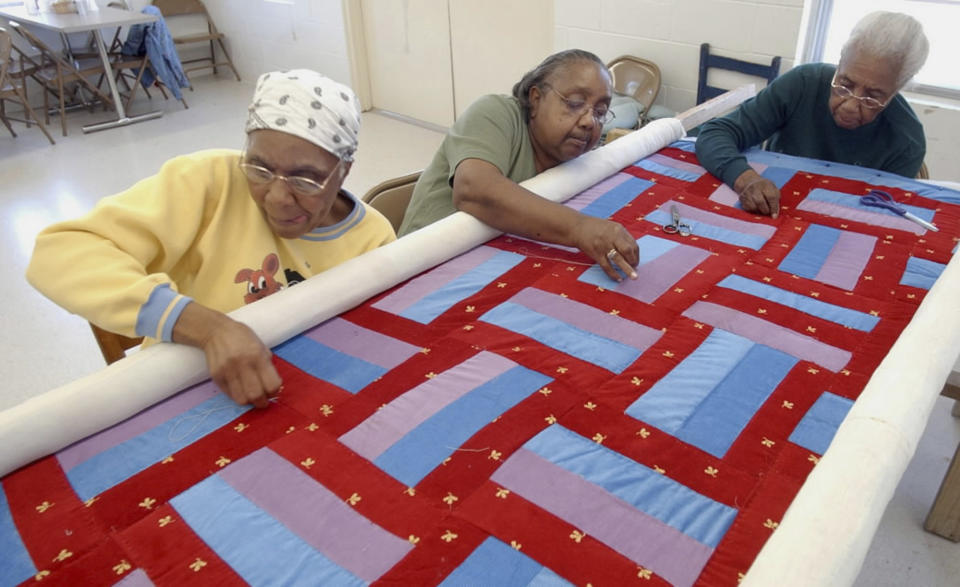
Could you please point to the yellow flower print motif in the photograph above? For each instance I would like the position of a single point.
(636, 380)
(413, 539)
(449, 537)
(326, 410)
(644, 573)
(770, 524)
(643, 433)
(495, 455)
(712, 471)
(767, 442)
(599, 438)
(41, 575)
(515, 545)
(308, 462)
(222, 462)
(590, 406)
(147, 503)
(410, 491)
(551, 419)
(63, 555)
(450, 499)
(502, 493)
(43, 507)
(240, 427)
(197, 565)
(545, 391)
(577, 536)
(122, 567)
(354, 499)
(165, 521)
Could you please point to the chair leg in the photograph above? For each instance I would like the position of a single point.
(136, 84)
(33, 115)
(3, 118)
(63, 110)
(213, 57)
(229, 61)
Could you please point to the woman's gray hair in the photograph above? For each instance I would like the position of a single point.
(537, 76)
(891, 36)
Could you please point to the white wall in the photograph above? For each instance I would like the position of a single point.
(263, 35)
(669, 33)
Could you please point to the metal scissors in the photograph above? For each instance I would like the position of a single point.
(881, 199)
(676, 226)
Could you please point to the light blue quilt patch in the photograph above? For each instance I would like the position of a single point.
(921, 273)
(820, 423)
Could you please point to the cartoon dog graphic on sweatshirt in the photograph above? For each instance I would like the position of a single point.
(260, 282)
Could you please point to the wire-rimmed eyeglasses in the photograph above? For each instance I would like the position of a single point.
(299, 185)
(576, 108)
(845, 93)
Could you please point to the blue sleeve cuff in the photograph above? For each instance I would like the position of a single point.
(159, 314)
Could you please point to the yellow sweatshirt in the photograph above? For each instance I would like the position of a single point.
(194, 232)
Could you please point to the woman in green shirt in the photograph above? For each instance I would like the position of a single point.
(850, 114)
(556, 113)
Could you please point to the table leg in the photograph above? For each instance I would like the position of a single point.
(122, 118)
(944, 517)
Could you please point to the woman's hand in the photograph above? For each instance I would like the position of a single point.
(757, 194)
(609, 244)
(238, 361)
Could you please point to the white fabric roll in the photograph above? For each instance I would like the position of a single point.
(60, 417)
(826, 532)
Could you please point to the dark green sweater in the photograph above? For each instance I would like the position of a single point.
(793, 113)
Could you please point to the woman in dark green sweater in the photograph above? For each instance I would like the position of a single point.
(851, 113)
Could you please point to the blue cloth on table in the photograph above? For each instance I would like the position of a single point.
(154, 40)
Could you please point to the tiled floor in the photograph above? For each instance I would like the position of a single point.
(45, 347)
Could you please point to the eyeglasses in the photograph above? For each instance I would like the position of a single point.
(845, 93)
(576, 108)
(301, 186)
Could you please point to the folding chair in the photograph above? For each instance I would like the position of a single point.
(55, 72)
(171, 8)
(12, 88)
(708, 61)
(134, 66)
(636, 77)
(392, 196)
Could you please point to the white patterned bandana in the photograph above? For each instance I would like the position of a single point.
(308, 105)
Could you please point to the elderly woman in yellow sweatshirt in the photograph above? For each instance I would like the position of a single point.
(213, 230)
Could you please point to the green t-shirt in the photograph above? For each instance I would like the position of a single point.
(793, 113)
(491, 129)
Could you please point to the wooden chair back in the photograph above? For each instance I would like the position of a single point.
(708, 62)
(636, 77)
(113, 346)
(180, 7)
(392, 196)
(171, 8)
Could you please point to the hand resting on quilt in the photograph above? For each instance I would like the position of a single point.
(758, 194)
